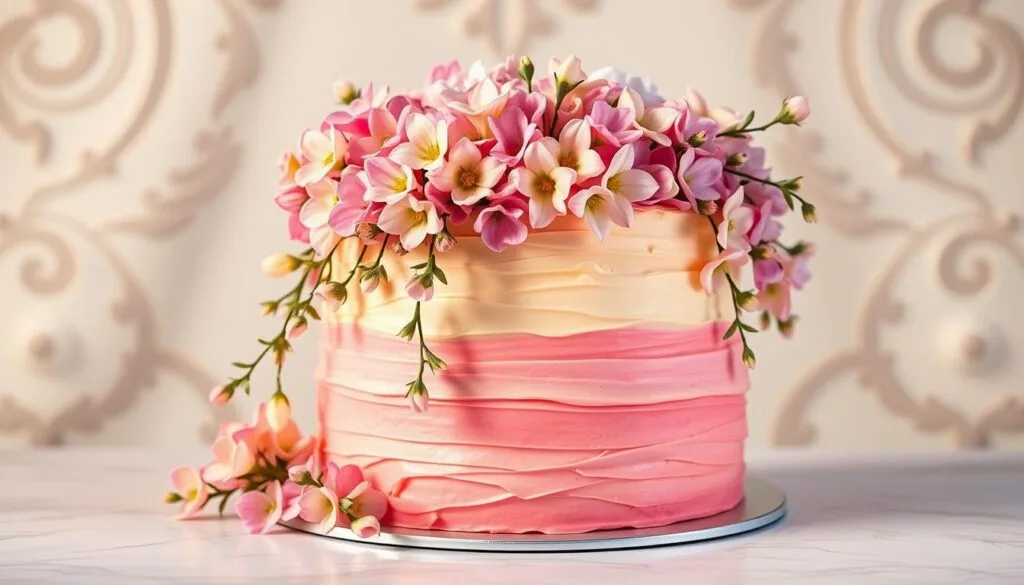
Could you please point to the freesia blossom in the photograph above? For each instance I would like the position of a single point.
(411, 219)
(189, 489)
(652, 121)
(366, 527)
(500, 226)
(645, 88)
(232, 458)
(319, 505)
(387, 181)
(221, 395)
(417, 290)
(712, 275)
(513, 133)
(352, 205)
(795, 110)
(288, 165)
(261, 510)
(468, 175)
(316, 212)
(278, 411)
(544, 182)
(572, 149)
(322, 154)
(483, 101)
(427, 145)
(364, 501)
(614, 126)
(699, 177)
(278, 265)
(737, 219)
(612, 200)
(775, 298)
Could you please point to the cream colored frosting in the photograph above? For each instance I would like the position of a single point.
(560, 281)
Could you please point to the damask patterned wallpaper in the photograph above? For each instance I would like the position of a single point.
(139, 141)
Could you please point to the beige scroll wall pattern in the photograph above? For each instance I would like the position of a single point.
(53, 249)
(916, 351)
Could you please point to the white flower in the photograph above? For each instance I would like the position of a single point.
(643, 86)
(411, 219)
(322, 153)
(428, 143)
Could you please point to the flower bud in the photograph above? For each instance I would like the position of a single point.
(748, 358)
(299, 328)
(794, 110)
(398, 249)
(698, 138)
(278, 265)
(279, 411)
(418, 397)
(420, 288)
(221, 395)
(369, 281)
(736, 159)
(172, 498)
(766, 320)
(809, 212)
(367, 231)
(333, 294)
(786, 327)
(568, 74)
(444, 241)
(345, 92)
(300, 475)
(747, 300)
(268, 308)
(707, 207)
(526, 69)
(279, 351)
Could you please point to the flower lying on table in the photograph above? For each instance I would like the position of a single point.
(278, 475)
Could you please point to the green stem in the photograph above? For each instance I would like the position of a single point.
(766, 182)
(740, 132)
(734, 291)
(380, 255)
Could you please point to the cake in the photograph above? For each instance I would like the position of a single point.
(565, 407)
(534, 294)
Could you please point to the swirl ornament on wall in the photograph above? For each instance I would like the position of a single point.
(505, 26)
(995, 108)
(50, 245)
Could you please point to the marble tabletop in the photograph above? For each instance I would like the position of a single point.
(94, 516)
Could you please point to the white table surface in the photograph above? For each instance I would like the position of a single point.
(95, 516)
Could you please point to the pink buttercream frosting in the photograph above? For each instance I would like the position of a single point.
(628, 427)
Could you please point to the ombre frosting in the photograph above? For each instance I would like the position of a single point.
(588, 387)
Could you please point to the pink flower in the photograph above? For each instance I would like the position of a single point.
(383, 128)
(190, 489)
(366, 527)
(500, 226)
(712, 276)
(795, 110)
(573, 150)
(411, 219)
(316, 212)
(419, 401)
(363, 501)
(614, 126)
(387, 181)
(696, 102)
(352, 206)
(481, 102)
(775, 298)
(468, 175)
(513, 133)
(765, 229)
(415, 289)
(322, 154)
(319, 505)
(428, 143)
(261, 510)
(288, 444)
(766, 271)
(696, 131)
(292, 199)
(288, 165)
(612, 201)
(544, 182)
(737, 220)
(699, 178)
(232, 458)
(652, 121)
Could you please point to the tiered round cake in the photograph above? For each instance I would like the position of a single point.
(588, 384)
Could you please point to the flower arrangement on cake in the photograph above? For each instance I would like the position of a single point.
(500, 155)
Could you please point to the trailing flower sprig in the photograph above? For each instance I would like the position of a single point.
(421, 288)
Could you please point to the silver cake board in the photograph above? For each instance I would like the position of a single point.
(762, 504)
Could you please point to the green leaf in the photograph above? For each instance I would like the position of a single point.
(223, 504)
(788, 195)
(747, 120)
(241, 365)
(418, 266)
(747, 328)
(312, 312)
(731, 330)
(383, 273)
(433, 361)
(263, 342)
(408, 331)
(440, 275)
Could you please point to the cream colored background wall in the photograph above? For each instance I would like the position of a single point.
(138, 141)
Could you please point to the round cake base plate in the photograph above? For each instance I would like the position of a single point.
(763, 504)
